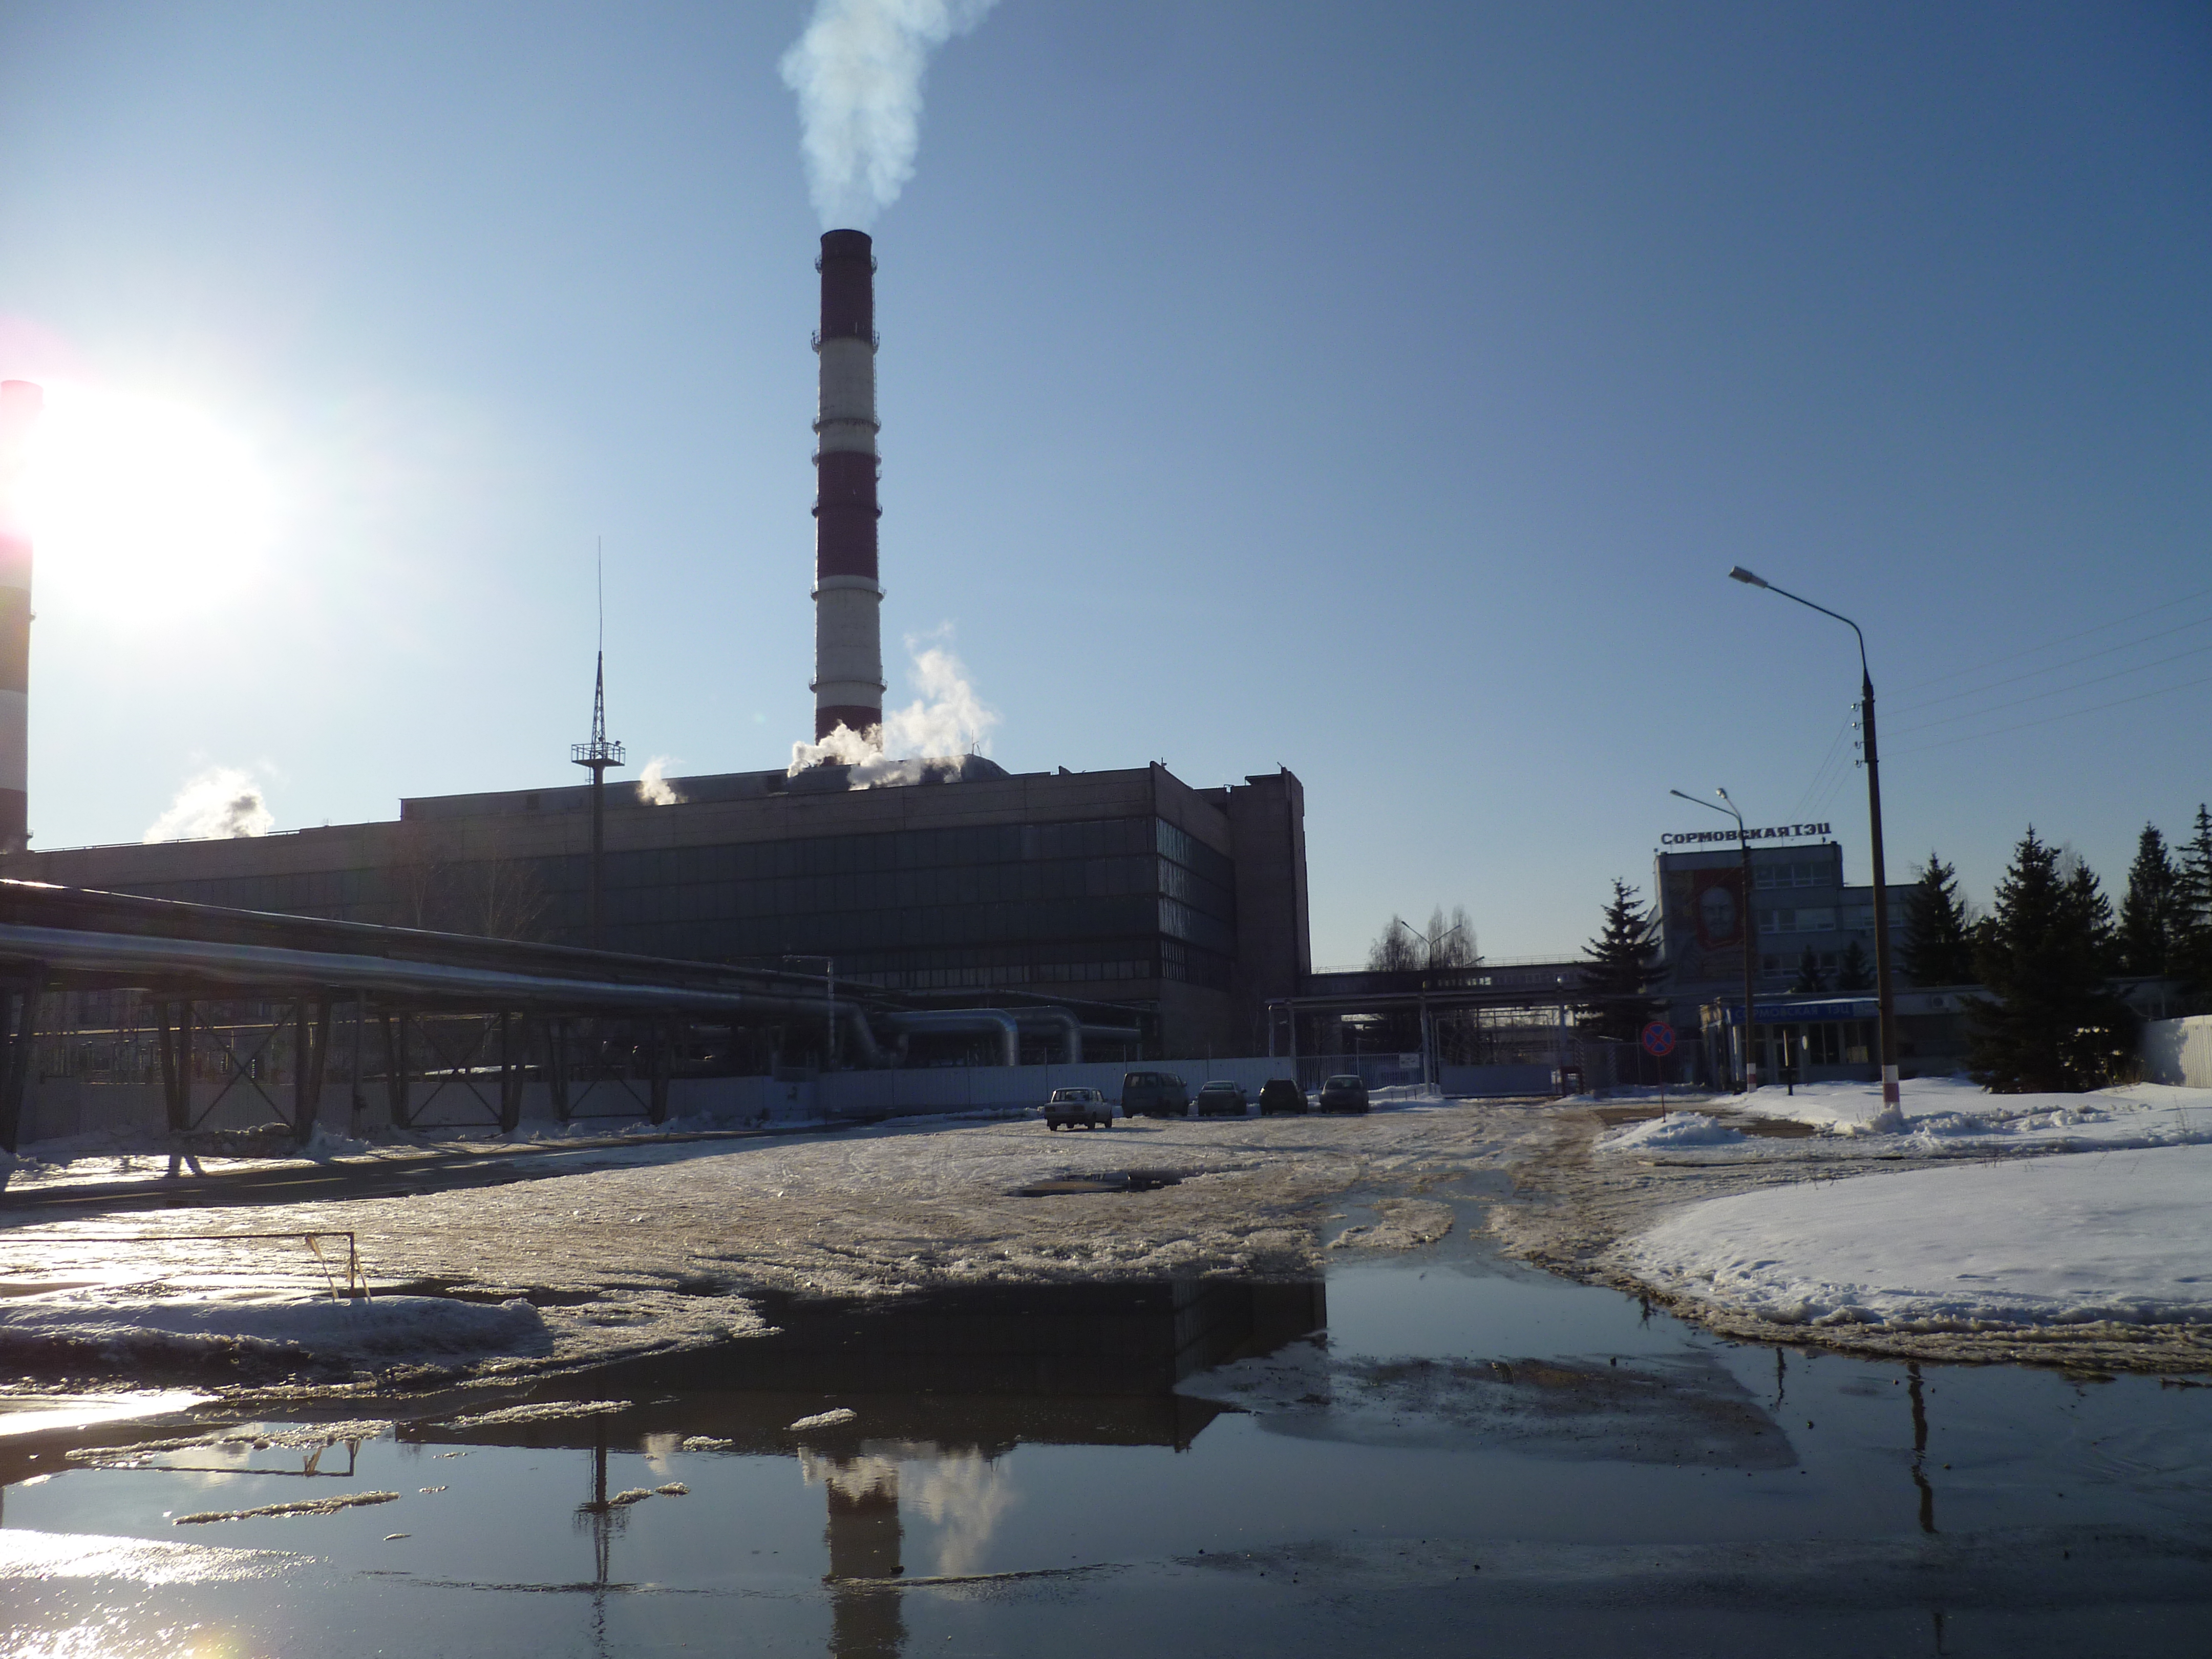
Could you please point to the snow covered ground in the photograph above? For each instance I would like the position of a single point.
(1942, 1115)
(2117, 1235)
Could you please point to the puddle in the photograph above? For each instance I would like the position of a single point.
(1114, 1181)
(1378, 1459)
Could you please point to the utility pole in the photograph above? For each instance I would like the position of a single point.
(1892, 1105)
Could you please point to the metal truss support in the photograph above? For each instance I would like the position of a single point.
(657, 1038)
(19, 1009)
(556, 1068)
(396, 1080)
(514, 1053)
(311, 1055)
(176, 1045)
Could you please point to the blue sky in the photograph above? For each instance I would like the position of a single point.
(1380, 390)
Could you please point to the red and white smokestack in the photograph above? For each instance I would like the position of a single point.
(849, 651)
(20, 404)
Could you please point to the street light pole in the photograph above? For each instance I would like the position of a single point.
(1428, 1034)
(1893, 1108)
(1746, 920)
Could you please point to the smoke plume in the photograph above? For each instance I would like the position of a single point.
(948, 718)
(654, 788)
(218, 804)
(858, 71)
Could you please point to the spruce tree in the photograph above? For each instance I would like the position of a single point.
(1856, 972)
(2055, 1025)
(2192, 934)
(1938, 948)
(1810, 981)
(1620, 967)
(2151, 915)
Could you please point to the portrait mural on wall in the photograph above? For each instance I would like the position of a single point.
(1718, 906)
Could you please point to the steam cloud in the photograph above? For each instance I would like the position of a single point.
(218, 804)
(653, 787)
(948, 718)
(858, 73)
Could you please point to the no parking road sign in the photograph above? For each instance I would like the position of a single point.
(1658, 1039)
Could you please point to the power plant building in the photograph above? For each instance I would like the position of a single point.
(1128, 887)
(944, 878)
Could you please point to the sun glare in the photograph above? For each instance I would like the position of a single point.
(139, 507)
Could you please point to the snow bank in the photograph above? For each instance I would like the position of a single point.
(1676, 1129)
(2034, 1241)
(1944, 1111)
(277, 1327)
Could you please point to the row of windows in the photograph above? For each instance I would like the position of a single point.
(942, 926)
(1796, 873)
(1178, 920)
(1194, 855)
(1188, 887)
(1022, 862)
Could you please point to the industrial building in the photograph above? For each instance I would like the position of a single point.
(1185, 906)
(942, 878)
(1800, 905)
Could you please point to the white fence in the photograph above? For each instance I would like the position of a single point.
(2178, 1051)
(60, 1108)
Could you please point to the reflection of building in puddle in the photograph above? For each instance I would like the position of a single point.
(962, 1492)
(863, 1536)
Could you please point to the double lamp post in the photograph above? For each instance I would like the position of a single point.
(1885, 1000)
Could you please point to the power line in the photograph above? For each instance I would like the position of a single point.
(1820, 776)
(2055, 691)
(2064, 639)
(2052, 668)
(2047, 719)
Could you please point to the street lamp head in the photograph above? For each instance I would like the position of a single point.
(1738, 573)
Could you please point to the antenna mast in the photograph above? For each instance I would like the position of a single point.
(596, 756)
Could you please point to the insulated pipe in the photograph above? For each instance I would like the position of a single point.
(964, 1019)
(20, 404)
(123, 954)
(1069, 1027)
(848, 656)
(864, 1038)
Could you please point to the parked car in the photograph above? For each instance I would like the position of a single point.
(1278, 1095)
(1221, 1099)
(1153, 1094)
(1069, 1106)
(1345, 1093)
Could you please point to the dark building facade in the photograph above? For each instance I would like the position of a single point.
(1126, 887)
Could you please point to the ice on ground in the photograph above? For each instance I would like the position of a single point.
(1405, 1225)
(306, 1506)
(1674, 1129)
(547, 1410)
(2112, 1235)
(1683, 1410)
(130, 1324)
(646, 1248)
(44, 1556)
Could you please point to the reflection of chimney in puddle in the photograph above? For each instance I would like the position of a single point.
(1920, 1449)
(863, 1538)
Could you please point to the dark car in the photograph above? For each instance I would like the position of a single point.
(1069, 1106)
(1345, 1093)
(1280, 1095)
(1153, 1094)
(1221, 1099)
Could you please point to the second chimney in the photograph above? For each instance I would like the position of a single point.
(849, 655)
